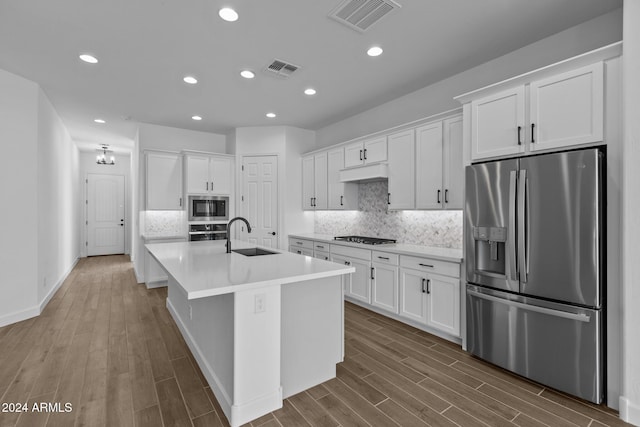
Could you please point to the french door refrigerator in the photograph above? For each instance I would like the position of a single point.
(534, 235)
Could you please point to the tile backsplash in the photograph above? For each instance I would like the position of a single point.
(162, 223)
(429, 228)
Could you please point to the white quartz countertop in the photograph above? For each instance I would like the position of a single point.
(204, 269)
(149, 237)
(444, 254)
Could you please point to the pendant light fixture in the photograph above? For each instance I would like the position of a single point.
(101, 159)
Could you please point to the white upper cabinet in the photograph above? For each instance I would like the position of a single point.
(498, 124)
(453, 174)
(439, 165)
(429, 167)
(164, 181)
(208, 174)
(402, 176)
(363, 153)
(559, 111)
(567, 109)
(314, 181)
(340, 195)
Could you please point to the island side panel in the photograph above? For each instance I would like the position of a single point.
(257, 352)
(312, 333)
(207, 326)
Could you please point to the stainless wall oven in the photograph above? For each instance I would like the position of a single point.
(198, 232)
(208, 208)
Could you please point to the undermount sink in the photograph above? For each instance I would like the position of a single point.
(253, 252)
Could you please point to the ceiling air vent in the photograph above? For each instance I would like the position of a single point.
(360, 15)
(281, 68)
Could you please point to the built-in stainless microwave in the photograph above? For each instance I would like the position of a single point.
(208, 208)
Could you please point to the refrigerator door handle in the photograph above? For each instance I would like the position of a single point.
(522, 220)
(512, 271)
(551, 312)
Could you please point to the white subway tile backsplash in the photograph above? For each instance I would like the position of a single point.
(429, 228)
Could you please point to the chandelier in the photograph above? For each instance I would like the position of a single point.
(101, 159)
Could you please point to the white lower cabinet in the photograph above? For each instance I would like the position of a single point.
(356, 286)
(384, 287)
(431, 299)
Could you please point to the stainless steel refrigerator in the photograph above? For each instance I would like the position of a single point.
(534, 252)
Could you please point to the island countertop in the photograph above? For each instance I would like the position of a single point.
(204, 269)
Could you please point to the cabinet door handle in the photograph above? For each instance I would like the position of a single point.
(180, 201)
(318, 246)
(426, 265)
(383, 257)
(519, 135)
(299, 252)
(439, 191)
(423, 289)
(211, 185)
(388, 198)
(341, 198)
(207, 185)
(428, 286)
(372, 275)
(533, 126)
(446, 196)
(365, 154)
(361, 155)
(347, 263)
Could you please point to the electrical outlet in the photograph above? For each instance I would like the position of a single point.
(260, 303)
(190, 312)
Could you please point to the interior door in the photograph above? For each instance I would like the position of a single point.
(260, 204)
(105, 214)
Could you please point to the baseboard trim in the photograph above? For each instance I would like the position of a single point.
(629, 411)
(212, 378)
(55, 288)
(139, 277)
(157, 284)
(19, 316)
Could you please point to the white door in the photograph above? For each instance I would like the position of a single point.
(260, 200)
(164, 181)
(375, 150)
(453, 177)
(353, 155)
(413, 295)
(384, 287)
(308, 183)
(105, 214)
(360, 284)
(220, 176)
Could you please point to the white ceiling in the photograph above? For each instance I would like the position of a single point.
(145, 47)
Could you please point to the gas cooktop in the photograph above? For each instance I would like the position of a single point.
(364, 239)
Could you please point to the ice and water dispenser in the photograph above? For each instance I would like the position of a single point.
(490, 250)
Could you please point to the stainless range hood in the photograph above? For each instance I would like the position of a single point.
(368, 173)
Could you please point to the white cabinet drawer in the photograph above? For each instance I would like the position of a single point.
(321, 246)
(322, 255)
(301, 251)
(384, 258)
(430, 265)
(351, 252)
(301, 243)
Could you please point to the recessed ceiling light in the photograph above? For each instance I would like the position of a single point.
(228, 14)
(374, 51)
(89, 58)
(310, 91)
(271, 115)
(100, 121)
(196, 118)
(247, 74)
(190, 79)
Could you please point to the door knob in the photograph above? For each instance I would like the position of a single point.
(273, 233)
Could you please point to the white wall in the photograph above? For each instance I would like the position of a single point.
(288, 144)
(39, 193)
(58, 198)
(122, 167)
(174, 139)
(18, 181)
(438, 97)
(630, 400)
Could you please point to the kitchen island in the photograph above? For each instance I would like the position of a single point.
(262, 328)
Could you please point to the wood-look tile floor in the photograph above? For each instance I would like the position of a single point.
(109, 347)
